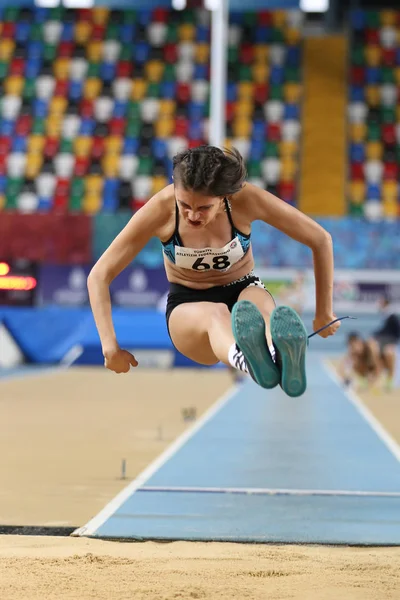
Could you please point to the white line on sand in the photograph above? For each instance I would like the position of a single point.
(93, 525)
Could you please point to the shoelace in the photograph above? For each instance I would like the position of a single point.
(329, 324)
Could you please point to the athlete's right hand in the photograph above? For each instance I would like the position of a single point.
(119, 360)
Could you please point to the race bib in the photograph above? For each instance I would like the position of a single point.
(204, 259)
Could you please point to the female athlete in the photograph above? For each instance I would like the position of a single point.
(218, 309)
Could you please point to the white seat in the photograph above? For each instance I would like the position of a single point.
(157, 32)
(388, 94)
(64, 164)
(199, 90)
(203, 16)
(398, 133)
(141, 186)
(186, 51)
(258, 182)
(294, 18)
(388, 37)
(70, 126)
(45, 185)
(103, 108)
(184, 71)
(271, 170)
(128, 164)
(111, 50)
(277, 54)
(357, 112)
(373, 210)
(234, 35)
(52, 31)
(175, 145)
(10, 107)
(373, 170)
(78, 68)
(44, 86)
(16, 162)
(122, 88)
(27, 202)
(243, 145)
(149, 109)
(273, 111)
(291, 130)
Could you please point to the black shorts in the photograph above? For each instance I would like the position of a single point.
(227, 294)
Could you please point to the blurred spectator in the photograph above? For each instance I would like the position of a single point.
(358, 366)
(384, 341)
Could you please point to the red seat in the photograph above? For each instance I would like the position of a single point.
(261, 92)
(84, 14)
(60, 203)
(181, 127)
(8, 30)
(246, 53)
(357, 75)
(274, 132)
(51, 147)
(62, 186)
(170, 53)
(86, 108)
(161, 15)
(61, 87)
(81, 166)
(5, 145)
(286, 191)
(117, 126)
(183, 92)
(389, 134)
(3, 165)
(356, 171)
(390, 170)
(372, 36)
(98, 147)
(230, 110)
(23, 125)
(124, 68)
(389, 57)
(264, 18)
(195, 143)
(65, 49)
(98, 32)
(17, 66)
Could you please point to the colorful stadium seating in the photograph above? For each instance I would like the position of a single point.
(374, 116)
(95, 103)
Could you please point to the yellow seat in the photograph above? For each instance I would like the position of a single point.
(36, 143)
(186, 32)
(61, 68)
(242, 127)
(202, 53)
(58, 105)
(389, 191)
(391, 209)
(358, 132)
(100, 15)
(278, 18)
(373, 95)
(374, 150)
(83, 30)
(113, 144)
(7, 47)
(164, 126)
(94, 51)
(34, 163)
(139, 89)
(2, 201)
(54, 125)
(92, 88)
(154, 70)
(357, 191)
(110, 164)
(397, 75)
(243, 108)
(288, 149)
(13, 85)
(388, 17)
(167, 107)
(292, 35)
(289, 169)
(245, 90)
(159, 182)
(292, 92)
(260, 72)
(261, 53)
(373, 55)
(94, 185)
(83, 145)
(91, 203)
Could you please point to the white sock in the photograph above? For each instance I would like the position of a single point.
(236, 359)
(272, 352)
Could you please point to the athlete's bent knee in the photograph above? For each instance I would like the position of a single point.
(219, 312)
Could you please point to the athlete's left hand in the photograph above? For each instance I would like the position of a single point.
(321, 320)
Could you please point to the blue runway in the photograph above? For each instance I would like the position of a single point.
(263, 467)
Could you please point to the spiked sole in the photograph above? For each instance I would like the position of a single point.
(248, 328)
(290, 339)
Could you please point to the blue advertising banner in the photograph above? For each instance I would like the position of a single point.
(135, 287)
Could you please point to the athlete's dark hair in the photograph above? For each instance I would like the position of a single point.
(210, 170)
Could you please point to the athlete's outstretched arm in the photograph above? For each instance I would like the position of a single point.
(143, 225)
(270, 209)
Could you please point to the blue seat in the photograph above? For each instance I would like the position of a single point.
(3, 183)
(236, 18)
(197, 110)
(257, 149)
(202, 34)
(200, 71)
(40, 15)
(293, 56)
(110, 195)
(141, 52)
(277, 74)
(357, 152)
(33, 66)
(231, 93)
(40, 108)
(120, 108)
(68, 31)
(358, 19)
(291, 111)
(357, 94)
(168, 90)
(373, 75)
(22, 31)
(262, 34)
(19, 144)
(398, 56)
(373, 191)
(196, 130)
(35, 49)
(144, 16)
(87, 127)
(127, 33)
(131, 145)
(75, 89)
(159, 148)
(107, 71)
(45, 204)
(258, 132)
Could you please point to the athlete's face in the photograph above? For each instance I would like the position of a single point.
(197, 209)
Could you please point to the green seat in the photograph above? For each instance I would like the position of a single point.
(3, 69)
(389, 114)
(245, 73)
(133, 129)
(67, 146)
(146, 166)
(398, 153)
(172, 34)
(49, 52)
(169, 73)
(188, 16)
(373, 132)
(39, 126)
(56, 13)
(356, 210)
(276, 92)
(134, 112)
(112, 31)
(373, 19)
(254, 168)
(11, 13)
(36, 33)
(233, 55)
(357, 55)
(271, 149)
(129, 17)
(277, 36)
(292, 74)
(126, 52)
(250, 18)
(76, 194)
(29, 90)
(388, 75)
(93, 69)
(153, 90)
(13, 190)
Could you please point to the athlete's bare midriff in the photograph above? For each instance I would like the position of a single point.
(217, 234)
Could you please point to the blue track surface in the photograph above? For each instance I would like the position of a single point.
(305, 470)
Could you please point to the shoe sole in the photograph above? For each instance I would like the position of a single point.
(290, 339)
(248, 328)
